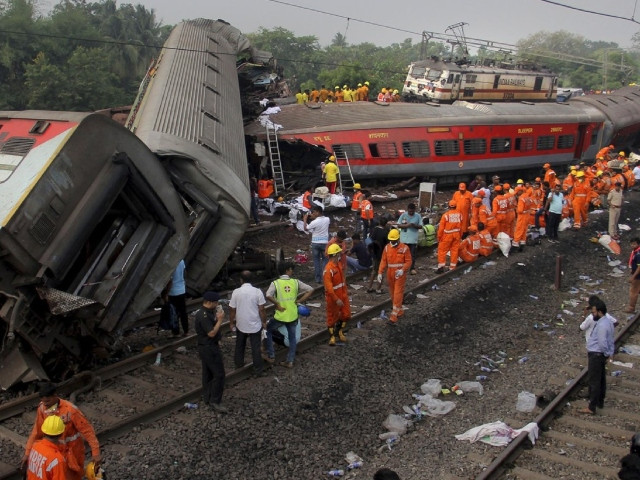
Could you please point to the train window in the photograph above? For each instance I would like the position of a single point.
(450, 78)
(446, 147)
(537, 85)
(416, 149)
(566, 141)
(417, 72)
(11, 154)
(468, 92)
(433, 74)
(383, 150)
(351, 150)
(475, 146)
(39, 127)
(496, 81)
(594, 136)
(546, 142)
(524, 144)
(500, 145)
(470, 78)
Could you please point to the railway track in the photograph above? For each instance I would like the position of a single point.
(572, 445)
(139, 390)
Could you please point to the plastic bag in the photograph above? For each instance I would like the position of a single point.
(610, 244)
(526, 402)
(504, 243)
(396, 423)
(433, 407)
(432, 387)
(467, 387)
(631, 350)
(565, 224)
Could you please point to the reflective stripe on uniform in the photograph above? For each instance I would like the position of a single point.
(395, 265)
(340, 285)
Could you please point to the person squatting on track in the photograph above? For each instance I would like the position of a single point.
(77, 429)
(247, 312)
(449, 235)
(396, 259)
(631, 463)
(600, 347)
(336, 296)
(207, 325)
(46, 460)
(283, 293)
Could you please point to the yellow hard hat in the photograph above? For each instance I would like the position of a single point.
(334, 249)
(281, 199)
(520, 181)
(356, 186)
(337, 87)
(599, 173)
(345, 86)
(332, 158)
(359, 84)
(384, 90)
(580, 174)
(53, 426)
(395, 91)
(91, 473)
(621, 154)
(394, 235)
(366, 83)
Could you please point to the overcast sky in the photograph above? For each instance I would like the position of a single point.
(505, 21)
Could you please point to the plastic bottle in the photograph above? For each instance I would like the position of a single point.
(336, 472)
(191, 406)
(481, 377)
(617, 373)
(158, 357)
(356, 464)
(523, 359)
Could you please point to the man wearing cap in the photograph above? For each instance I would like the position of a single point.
(247, 312)
(46, 459)
(336, 296)
(283, 293)
(396, 260)
(449, 236)
(462, 198)
(207, 325)
(614, 200)
(549, 175)
(77, 429)
(495, 181)
(331, 174)
(355, 204)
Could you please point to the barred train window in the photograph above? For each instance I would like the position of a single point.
(524, 144)
(546, 142)
(594, 136)
(468, 92)
(11, 154)
(383, 150)
(566, 141)
(500, 145)
(470, 78)
(351, 150)
(416, 149)
(475, 146)
(446, 147)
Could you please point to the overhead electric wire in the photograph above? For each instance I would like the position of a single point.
(571, 7)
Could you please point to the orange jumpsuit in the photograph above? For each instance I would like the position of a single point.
(499, 208)
(463, 200)
(470, 248)
(396, 259)
(567, 183)
(355, 202)
(343, 246)
(486, 243)
(77, 430)
(522, 221)
(449, 235)
(629, 176)
(489, 220)
(512, 205)
(335, 288)
(580, 204)
(305, 200)
(549, 176)
(46, 461)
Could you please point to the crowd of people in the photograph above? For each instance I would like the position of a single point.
(346, 93)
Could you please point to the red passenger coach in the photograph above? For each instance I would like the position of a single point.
(403, 139)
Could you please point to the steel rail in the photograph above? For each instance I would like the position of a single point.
(515, 448)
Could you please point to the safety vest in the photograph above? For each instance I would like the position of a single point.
(429, 237)
(286, 294)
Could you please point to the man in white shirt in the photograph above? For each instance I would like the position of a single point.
(319, 229)
(248, 315)
(636, 173)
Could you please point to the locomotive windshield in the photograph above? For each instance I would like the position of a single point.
(433, 74)
(417, 71)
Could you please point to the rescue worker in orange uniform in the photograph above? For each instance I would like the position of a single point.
(486, 240)
(355, 204)
(365, 90)
(306, 202)
(487, 218)
(616, 176)
(338, 95)
(340, 239)
(499, 208)
(476, 203)
(470, 247)
(512, 205)
(366, 214)
(462, 197)
(336, 296)
(77, 430)
(604, 152)
(601, 164)
(629, 177)
(579, 201)
(396, 259)
(603, 186)
(523, 218)
(46, 460)
(449, 236)
(548, 174)
(324, 94)
(537, 201)
(567, 183)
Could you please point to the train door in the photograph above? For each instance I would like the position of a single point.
(496, 81)
(583, 130)
(455, 87)
(537, 85)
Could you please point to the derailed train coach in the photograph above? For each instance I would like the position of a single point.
(94, 219)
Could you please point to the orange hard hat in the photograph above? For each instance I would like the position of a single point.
(497, 188)
(538, 179)
(506, 186)
(462, 186)
(481, 193)
(453, 204)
